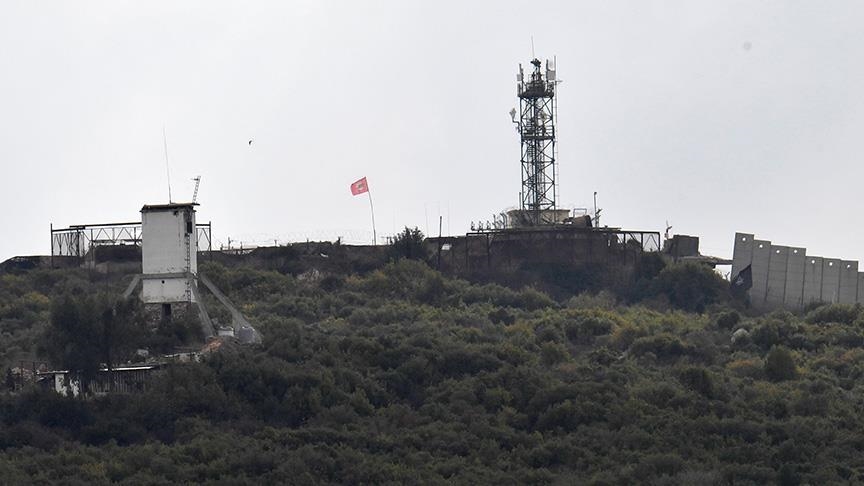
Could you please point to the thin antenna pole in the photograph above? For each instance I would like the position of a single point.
(167, 167)
(372, 209)
(532, 47)
(556, 186)
(440, 227)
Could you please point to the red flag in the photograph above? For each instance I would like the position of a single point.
(359, 187)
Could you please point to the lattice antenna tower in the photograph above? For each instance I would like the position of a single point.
(536, 126)
(197, 180)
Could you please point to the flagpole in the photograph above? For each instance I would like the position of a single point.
(372, 209)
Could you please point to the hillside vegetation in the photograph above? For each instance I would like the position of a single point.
(402, 375)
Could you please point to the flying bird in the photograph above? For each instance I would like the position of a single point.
(250, 141)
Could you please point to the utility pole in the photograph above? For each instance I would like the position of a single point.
(596, 212)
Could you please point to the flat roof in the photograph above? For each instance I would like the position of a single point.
(142, 367)
(167, 207)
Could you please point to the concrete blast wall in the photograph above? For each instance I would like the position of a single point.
(777, 266)
(759, 265)
(860, 287)
(786, 276)
(830, 280)
(848, 282)
(796, 263)
(812, 280)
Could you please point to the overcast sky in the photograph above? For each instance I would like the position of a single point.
(718, 116)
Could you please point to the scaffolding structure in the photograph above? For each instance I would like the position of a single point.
(79, 240)
(536, 127)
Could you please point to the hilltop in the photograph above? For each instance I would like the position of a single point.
(395, 373)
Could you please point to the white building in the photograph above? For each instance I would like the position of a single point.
(169, 250)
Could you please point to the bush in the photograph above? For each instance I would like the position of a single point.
(748, 367)
(601, 300)
(664, 346)
(727, 320)
(553, 353)
(533, 299)
(649, 265)
(660, 465)
(690, 287)
(834, 313)
(408, 244)
(699, 380)
(624, 335)
(501, 316)
(586, 325)
(405, 279)
(780, 365)
(766, 335)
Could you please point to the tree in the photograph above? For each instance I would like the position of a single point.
(72, 339)
(408, 244)
(87, 332)
(780, 365)
(121, 328)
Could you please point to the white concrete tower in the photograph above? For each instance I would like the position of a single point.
(169, 251)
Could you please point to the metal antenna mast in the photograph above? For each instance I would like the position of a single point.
(197, 183)
(536, 127)
(167, 166)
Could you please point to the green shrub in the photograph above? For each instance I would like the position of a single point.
(601, 300)
(586, 325)
(659, 465)
(690, 287)
(727, 320)
(533, 299)
(766, 335)
(408, 244)
(698, 379)
(502, 316)
(664, 346)
(788, 476)
(553, 353)
(747, 367)
(624, 335)
(836, 313)
(780, 365)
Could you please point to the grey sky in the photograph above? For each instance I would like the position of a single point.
(716, 116)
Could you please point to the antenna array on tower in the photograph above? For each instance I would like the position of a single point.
(535, 122)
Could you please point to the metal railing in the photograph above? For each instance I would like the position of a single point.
(79, 240)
